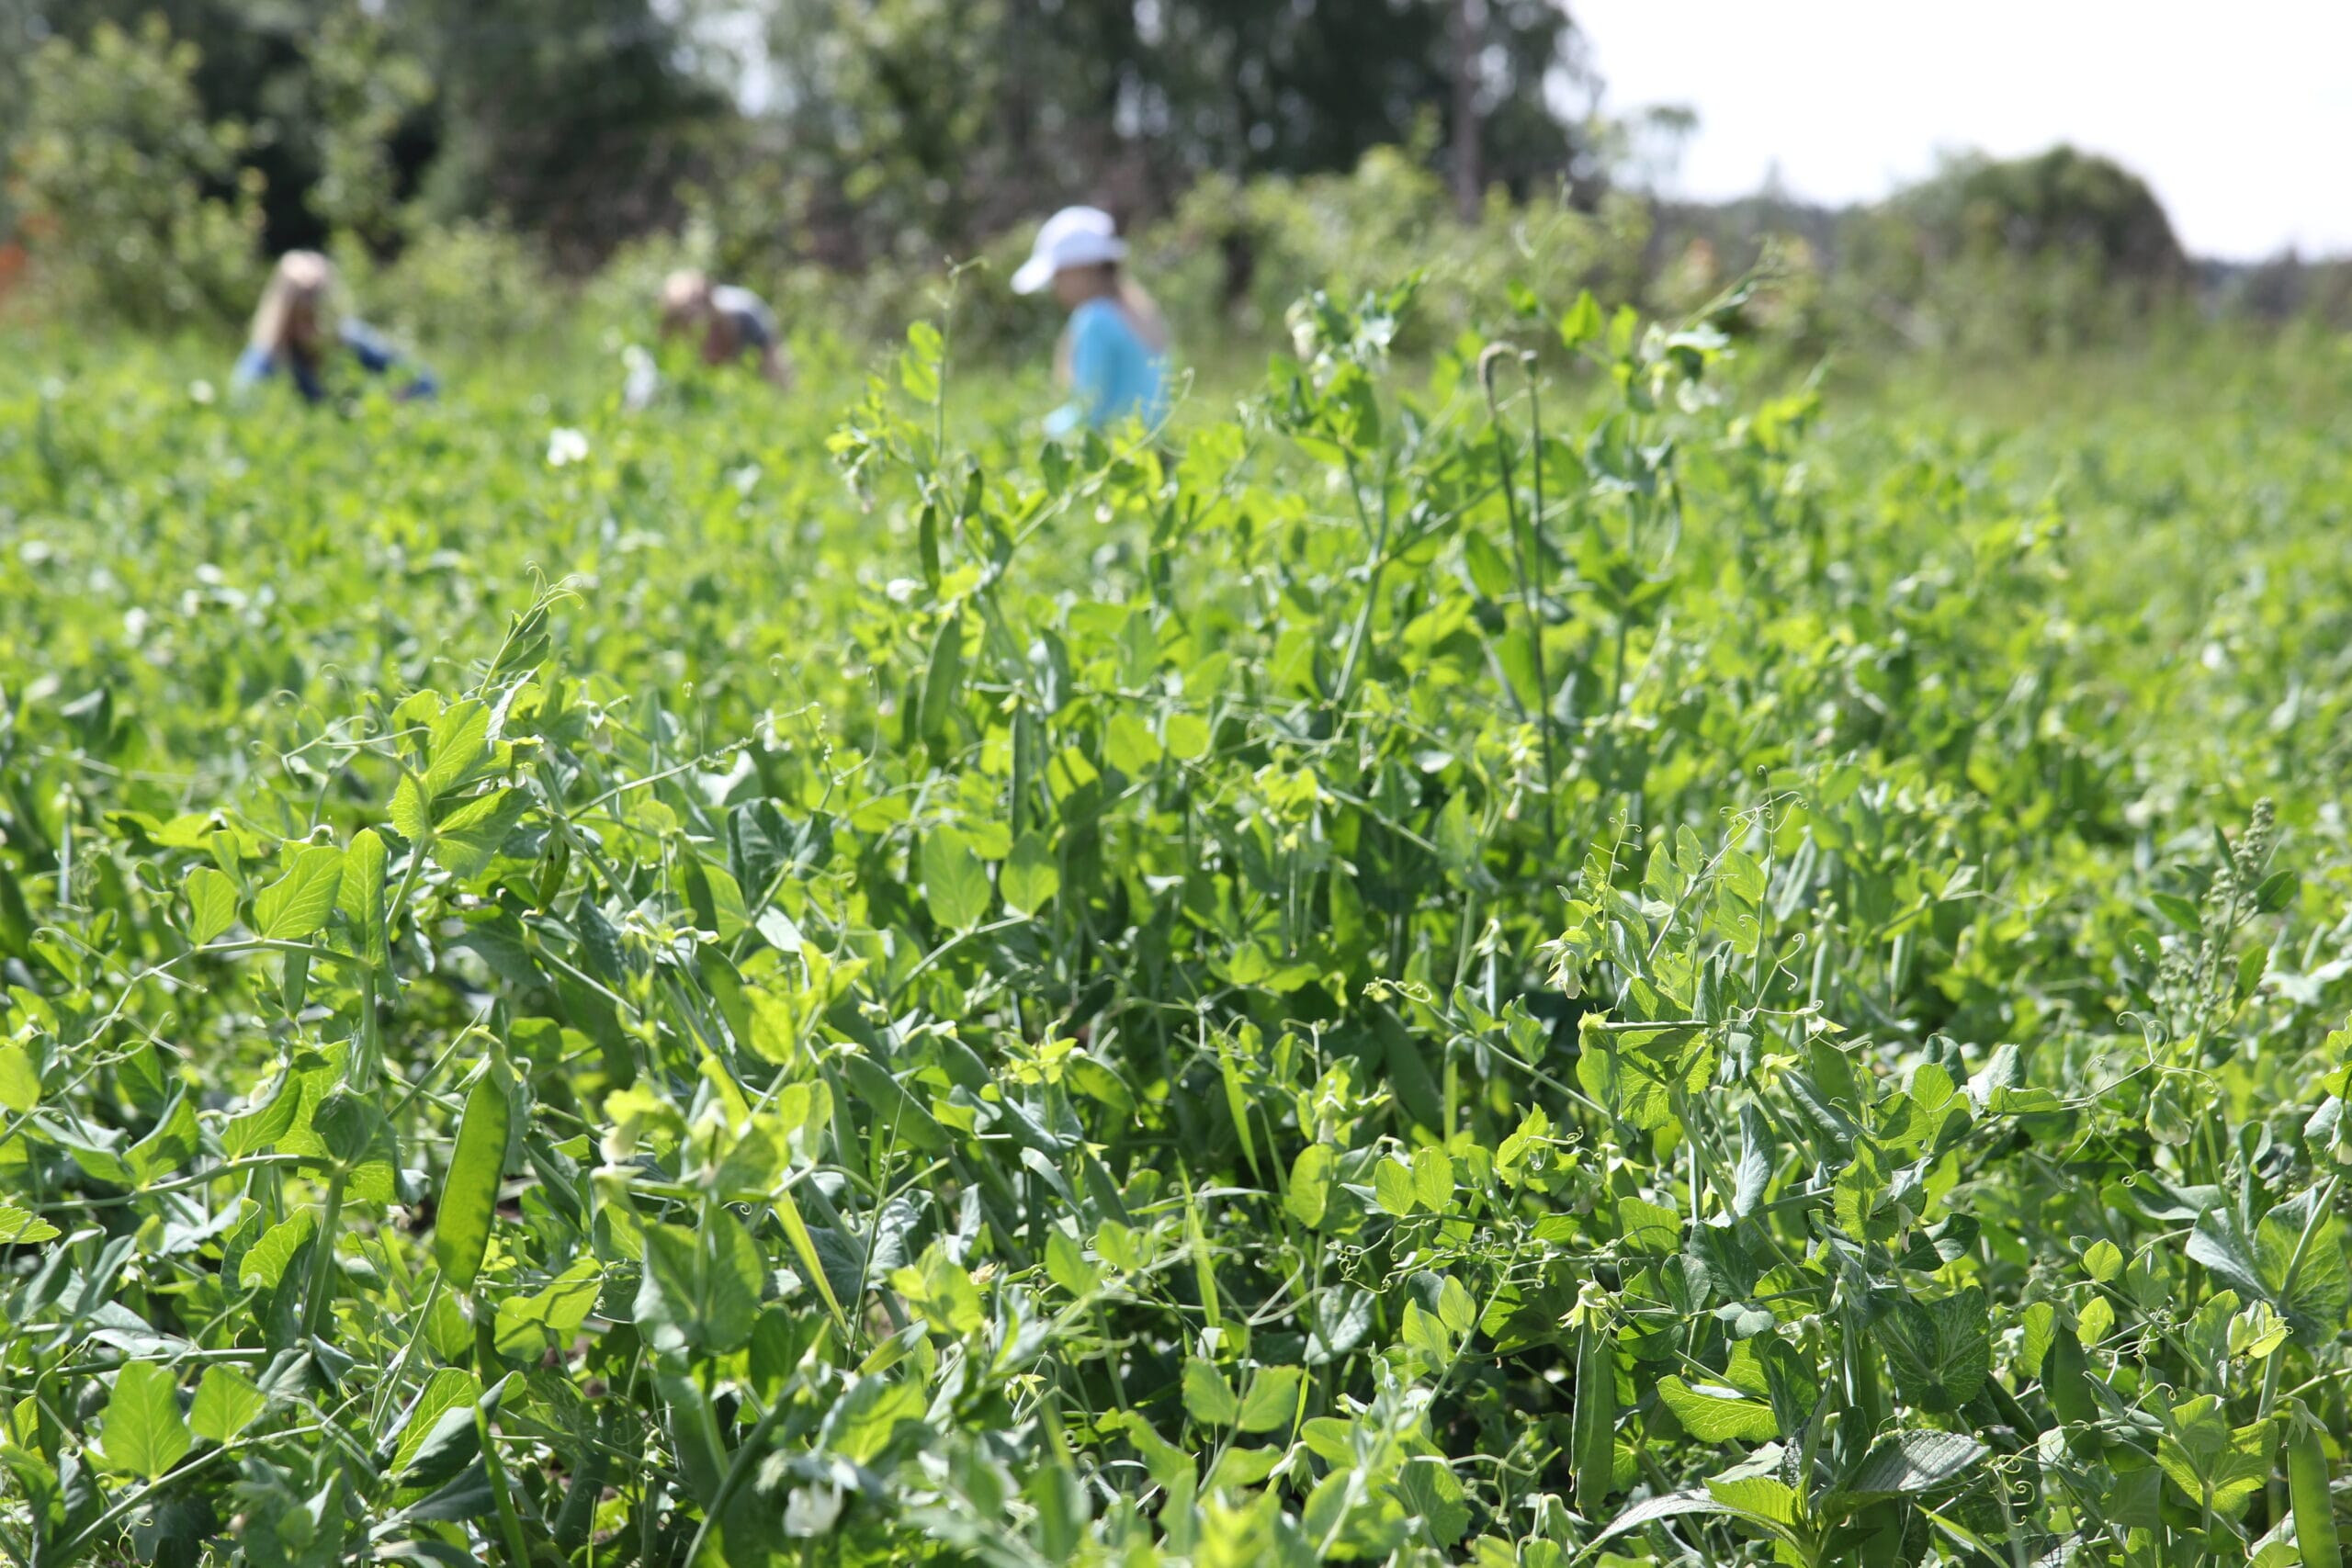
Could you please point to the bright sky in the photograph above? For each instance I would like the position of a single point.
(2239, 115)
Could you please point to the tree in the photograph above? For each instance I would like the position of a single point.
(883, 127)
(573, 120)
(135, 196)
(2058, 202)
(1462, 40)
(950, 120)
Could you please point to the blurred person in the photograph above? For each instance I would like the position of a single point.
(733, 323)
(297, 327)
(1113, 355)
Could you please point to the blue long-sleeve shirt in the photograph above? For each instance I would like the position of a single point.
(362, 342)
(1114, 372)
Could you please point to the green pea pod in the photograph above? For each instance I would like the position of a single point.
(2066, 1379)
(2307, 1489)
(469, 1195)
(1595, 1417)
(554, 866)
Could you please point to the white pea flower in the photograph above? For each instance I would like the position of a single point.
(566, 446)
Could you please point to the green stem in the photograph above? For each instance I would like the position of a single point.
(363, 1070)
(1375, 567)
(510, 1524)
(1531, 590)
(745, 1456)
(416, 853)
(323, 1256)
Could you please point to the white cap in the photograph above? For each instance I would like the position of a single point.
(1076, 236)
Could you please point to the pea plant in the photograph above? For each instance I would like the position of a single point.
(1543, 958)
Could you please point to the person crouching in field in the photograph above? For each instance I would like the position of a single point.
(733, 323)
(1114, 355)
(296, 330)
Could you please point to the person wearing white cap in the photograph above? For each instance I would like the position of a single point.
(1114, 358)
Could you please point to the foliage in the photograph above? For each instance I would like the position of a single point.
(369, 91)
(464, 286)
(133, 195)
(1988, 257)
(924, 124)
(1225, 266)
(1986, 260)
(1573, 961)
(2060, 200)
(851, 131)
(570, 121)
(1231, 259)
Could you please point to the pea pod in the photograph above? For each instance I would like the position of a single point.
(1595, 1416)
(2065, 1378)
(2307, 1489)
(470, 1195)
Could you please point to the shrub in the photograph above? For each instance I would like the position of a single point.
(1233, 257)
(467, 283)
(134, 202)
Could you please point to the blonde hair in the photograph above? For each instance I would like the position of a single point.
(685, 299)
(302, 279)
(1143, 312)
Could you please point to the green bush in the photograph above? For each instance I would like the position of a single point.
(1232, 258)
(470, 284)
(135, 204)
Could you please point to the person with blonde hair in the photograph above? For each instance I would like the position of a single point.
(733, 323)
(296, 325)
(1113, 355)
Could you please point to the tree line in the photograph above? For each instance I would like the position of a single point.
(865, 127)
(471, 162)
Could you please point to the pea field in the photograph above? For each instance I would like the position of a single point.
(1575, 952)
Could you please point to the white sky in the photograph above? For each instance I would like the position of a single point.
(2239, 115)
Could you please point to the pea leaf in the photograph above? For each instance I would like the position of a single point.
(471, 837)
(1030, 878)
(1434, 1180)
(1907, 1463)
(143, 1433)
(1717, 1416)
(1310, 1185)
(955, 880)
(1272, 1403)
(460, 737)
(1208, 1398)
(226, 1403)
(264, 1263)
(1393, 1187)
(360, 895)
(2307, 1282)
(211, 903)
(2213, 1463)
(527, 1325)
(298, 903)
(449, 1390)
(701, 1287)
(1941, 1351)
